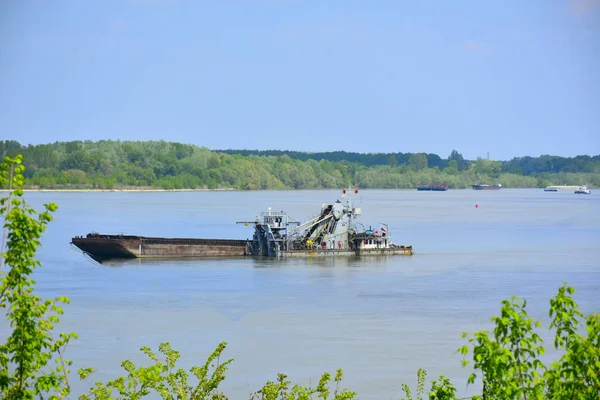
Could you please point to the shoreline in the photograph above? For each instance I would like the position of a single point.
(124, 190)
(142, 190)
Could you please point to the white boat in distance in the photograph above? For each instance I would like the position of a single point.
(583, 190)
(561, 188)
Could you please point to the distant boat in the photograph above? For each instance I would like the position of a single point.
(442, 187)
(560, 188)
(583, 190)
(496, 186)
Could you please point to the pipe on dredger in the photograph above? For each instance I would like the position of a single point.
(308, 222)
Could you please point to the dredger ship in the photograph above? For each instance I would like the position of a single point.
(335, 231)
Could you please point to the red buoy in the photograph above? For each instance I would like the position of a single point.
(355, 191)
(476, 206)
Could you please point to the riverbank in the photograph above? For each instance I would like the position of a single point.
(121, 190)
(188, 190)
(149, 189)
(126, 189)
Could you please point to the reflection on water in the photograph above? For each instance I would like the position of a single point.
(323, 262)
(256, 262)
(165, 262)
(379, 318)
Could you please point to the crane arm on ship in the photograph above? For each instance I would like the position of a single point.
(310, 224)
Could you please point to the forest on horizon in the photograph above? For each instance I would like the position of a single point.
(114, 164)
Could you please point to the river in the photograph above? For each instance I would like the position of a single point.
(379, 319)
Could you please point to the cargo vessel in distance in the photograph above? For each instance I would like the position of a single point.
(496, 186)
(442, 187)
(333, 232)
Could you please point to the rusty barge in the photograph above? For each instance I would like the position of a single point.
(108, 247)
(334, 231)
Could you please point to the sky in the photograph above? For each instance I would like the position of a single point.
(508, 77)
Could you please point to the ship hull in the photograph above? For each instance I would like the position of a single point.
(558, 188)
(119, 247)
(485, 187)
(433, 188)
(109, 247)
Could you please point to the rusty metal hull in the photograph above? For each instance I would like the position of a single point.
(109, 247)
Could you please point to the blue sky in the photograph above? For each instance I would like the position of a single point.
(508, 77)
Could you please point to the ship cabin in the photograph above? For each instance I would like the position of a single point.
(275, 219)
(369, 241)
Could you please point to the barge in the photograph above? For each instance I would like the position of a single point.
(102, 247)
(335, 231)
(496, 186)
(560, 188)
(442, 187)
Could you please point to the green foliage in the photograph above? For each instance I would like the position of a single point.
(442, 389)
(421, 375)
(508, 360)
(418, 161)
(518, 181)
(160, 164)
(164, 379)
(576, 375)
(31, 359)
(281, 390)
(487, 167)
(452, 168)
(460, 162)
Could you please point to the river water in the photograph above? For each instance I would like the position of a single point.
(379, 319)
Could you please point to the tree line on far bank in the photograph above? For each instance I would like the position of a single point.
(110, 164)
